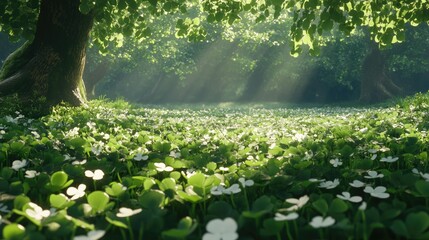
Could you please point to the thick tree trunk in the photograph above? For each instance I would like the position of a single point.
(376, 86)
(49, 70)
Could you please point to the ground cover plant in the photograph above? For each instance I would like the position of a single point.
(116, 171)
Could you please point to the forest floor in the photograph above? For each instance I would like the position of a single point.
(216, 172)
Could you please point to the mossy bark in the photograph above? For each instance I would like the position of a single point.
(376, 85)
(48, 70)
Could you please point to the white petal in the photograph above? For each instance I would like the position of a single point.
(380, 189)
(45, 213)
(71, 191)
(89, 173)
(159, 165)
(230, 236)
(96, 234)
(213, 225)
(229, 225)
(363, 206)
(81, 237)
(81, 187)
(303, 200)
(346, 195)
(290, 216)
(292, 200)
(357, 184)
(368, 189)
(328, 222)
(316, 221)
(279, 217)
(211, 236)
(98, 174)
(355, 199)
(380, 195)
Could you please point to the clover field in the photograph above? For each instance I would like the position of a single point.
(117, 171)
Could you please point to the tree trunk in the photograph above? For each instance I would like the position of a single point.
(49, 69)
(376, 86)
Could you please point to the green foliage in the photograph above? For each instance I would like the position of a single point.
(115, 20)
(266, 172)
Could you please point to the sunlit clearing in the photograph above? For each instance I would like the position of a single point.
(278, 76)
(217, 76)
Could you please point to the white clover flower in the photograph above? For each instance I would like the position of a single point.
(363, 206)
(416, 171)
(378, 192)
(233, 189)
(373, 151)
(140, 156)
(336, 162)
(346, 196)
(96, 175)
(96, 149)
(91, 235)
(106, 136)
(298, 203)
(217, 190)
(3, 208)
(246, 183)
(291, 216)
(35, 134)
(127, 212)
(91, 125)
(10, 119)
(72, 132)
(68, 157)
(316, 180)
(374, 174)
(189, 172)
(384, 149)
(308, 155)
(18, 164)
(31, 173)
(76, 193)
(357, 184)
(175, 154)
(76, 162)
(190, 191)
(320, 222)
(363, 130)
(36, 212)
(389, 159)
(218, 229)
(330, 184)
(161, 167)
(225, 169)
(299, 137)
(425, 176)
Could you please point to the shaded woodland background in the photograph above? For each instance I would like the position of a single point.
(220, 70)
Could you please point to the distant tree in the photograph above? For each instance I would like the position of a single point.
(49, 67)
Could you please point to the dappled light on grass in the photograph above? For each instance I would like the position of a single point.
(215, 173)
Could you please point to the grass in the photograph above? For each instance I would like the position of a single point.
(120, 171)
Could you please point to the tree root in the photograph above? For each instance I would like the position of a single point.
(13, 83)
